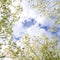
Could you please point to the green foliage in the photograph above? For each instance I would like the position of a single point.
(3, 1)
(42, 7)
(35, 48)
(6, 24)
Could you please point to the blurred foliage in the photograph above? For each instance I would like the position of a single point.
(47, 8)
(8, 18)
(35, 48)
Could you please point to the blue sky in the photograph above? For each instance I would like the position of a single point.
(35, 28)
(33, 23)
